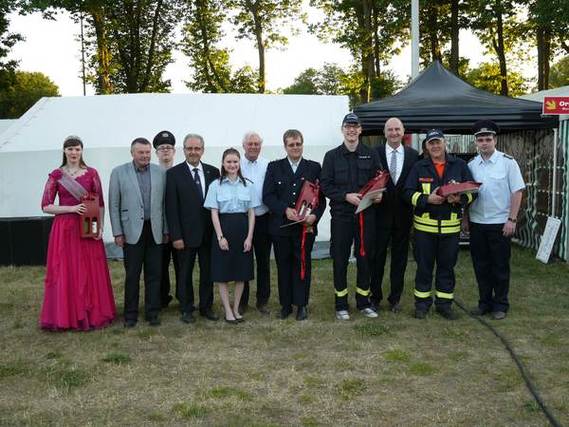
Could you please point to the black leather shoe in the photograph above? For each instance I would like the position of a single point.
(232, 321)
(154, 321)
(498, 315)
(301, 313)
(187, 318)
(420, 314)
(395, 308)
(285, 312)
(209, 315)
(447, 312)
(263, 309)
(479, 311)
(168, 300)
(129, 323)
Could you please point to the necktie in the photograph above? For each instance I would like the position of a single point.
(198, 182)
(393, 166)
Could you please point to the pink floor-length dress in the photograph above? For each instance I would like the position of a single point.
(78, 292)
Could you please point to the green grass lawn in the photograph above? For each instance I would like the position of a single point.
(394, 370)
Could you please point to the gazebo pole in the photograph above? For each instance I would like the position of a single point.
(554, 186)
(414, 38)
(415, 52)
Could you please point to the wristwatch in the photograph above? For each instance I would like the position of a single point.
(514, 220)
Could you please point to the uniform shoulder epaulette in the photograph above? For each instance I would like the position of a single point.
(507, 156)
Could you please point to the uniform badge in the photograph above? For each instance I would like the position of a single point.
(426, 179)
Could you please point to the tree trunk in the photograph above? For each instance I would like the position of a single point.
(367, 45)
(260, 44)
(150, 58)
(454, 52)
(433, 36)
(539, 43)
(103, 52)
(546, 57)
(376, 52)
(500, 49)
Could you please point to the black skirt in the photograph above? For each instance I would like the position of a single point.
(234, 264)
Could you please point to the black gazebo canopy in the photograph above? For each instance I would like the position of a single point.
(437, 98)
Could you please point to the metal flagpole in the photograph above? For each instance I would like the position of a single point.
(415, 53)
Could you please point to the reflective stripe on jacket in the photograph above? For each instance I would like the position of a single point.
(422, 181)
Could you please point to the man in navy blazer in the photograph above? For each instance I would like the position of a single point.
(190, 225)
(293, 244)
(393, 216)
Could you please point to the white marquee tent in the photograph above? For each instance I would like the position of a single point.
(30, 147)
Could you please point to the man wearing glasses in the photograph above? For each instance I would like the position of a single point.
(163, 143)
(186, 187)
(345, 170)
(493, 218)
(293, 242)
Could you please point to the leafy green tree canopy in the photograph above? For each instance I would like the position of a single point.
(23, 90)
(559, 73)
(487, 76)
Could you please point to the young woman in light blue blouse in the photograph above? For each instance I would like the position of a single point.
(231, 200)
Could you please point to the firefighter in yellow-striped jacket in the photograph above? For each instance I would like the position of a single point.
(437, 222)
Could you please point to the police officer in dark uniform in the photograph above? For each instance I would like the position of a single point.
(345, 170)
(493, 218)
(293, 244)
(164, 143)
(437, 223)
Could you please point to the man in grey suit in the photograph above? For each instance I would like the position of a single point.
(136, 208)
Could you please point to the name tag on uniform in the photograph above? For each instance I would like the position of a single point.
(426, 179)
(364, 157)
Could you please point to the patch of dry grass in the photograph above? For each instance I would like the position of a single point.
(385, 371)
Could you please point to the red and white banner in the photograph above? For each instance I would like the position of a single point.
(556, 105)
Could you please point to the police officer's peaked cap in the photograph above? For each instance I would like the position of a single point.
(434, 134)
(351, 118)
(483, 127)
(163, 137)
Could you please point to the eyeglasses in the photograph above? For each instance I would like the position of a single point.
(164, 148)
(485, 139)
(351, 126)
(192, 148)
(294, 145)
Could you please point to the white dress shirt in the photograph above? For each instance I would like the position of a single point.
(200, 173)
(255, 172)
(500, 177)
(294, 165)
(400, 155)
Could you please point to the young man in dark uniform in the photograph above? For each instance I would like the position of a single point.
(345, 170)
(293, 244)
(164, 143)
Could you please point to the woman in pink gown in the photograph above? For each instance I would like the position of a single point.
(78, 293)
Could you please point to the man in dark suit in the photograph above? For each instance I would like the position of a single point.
(393, 216)
(191, 228)
(293, 244)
